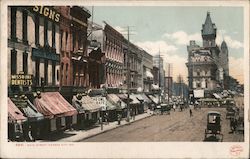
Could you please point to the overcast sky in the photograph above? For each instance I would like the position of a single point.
(170, 28)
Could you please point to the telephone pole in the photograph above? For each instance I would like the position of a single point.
(128, 79)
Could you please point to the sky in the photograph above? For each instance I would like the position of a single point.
(170, 28)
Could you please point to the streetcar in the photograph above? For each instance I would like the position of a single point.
(213, 125)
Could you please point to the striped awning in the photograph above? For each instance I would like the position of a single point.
(14, 114)
(89, 104)
(53, 104)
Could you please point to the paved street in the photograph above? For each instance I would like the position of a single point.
(178, 126)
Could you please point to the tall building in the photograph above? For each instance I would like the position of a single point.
(158, 62)
(207, 65)
(111, 42)
(33, 46)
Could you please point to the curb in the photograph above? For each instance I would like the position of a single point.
(117, 126)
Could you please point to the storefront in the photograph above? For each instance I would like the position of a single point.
(90, 107)
(59, 114)
(34, 118)
(16, 119)
(121, 106)
(77, 104)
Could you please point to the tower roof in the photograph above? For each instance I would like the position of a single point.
(208, 27)
(223, 44)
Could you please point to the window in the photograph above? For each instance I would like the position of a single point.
(62, 73)
(13, 23)
(46, 44)
(37, 30)
(57, 75)
(66, 38)
(53, 72)
(74, 40)
(61, 40)
(25, 36)
(37, 71)
(53, 35)
(45, 72)
(66, 73)
(25, 62)
(13, 61)
(74, 73)
(198, 84)
(198, 73)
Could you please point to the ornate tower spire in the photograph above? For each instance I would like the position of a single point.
(208, 32)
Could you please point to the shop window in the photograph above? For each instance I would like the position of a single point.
(37, 30)
(25, 62)
(46, 44)
(53, 35)
(13, 23)
(25, 34)
(13, 61)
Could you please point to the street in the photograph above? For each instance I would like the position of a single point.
(178, 126)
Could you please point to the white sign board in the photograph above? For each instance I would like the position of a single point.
(199, 93)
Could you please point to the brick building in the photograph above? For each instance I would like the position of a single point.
(33, 46)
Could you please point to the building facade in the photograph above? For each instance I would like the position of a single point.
(207, 65)
(147, 66)
(33, 46)
(111, 45)
(158, 62)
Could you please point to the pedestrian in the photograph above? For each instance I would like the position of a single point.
(100, 120)
(174, 107)
(119, 119)
(30, 135)
(190, 112)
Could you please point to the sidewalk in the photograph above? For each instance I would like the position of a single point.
(83, 134)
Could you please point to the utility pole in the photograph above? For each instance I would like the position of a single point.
(128, 80)
(159, 76)
(128, 72)
(168, 80)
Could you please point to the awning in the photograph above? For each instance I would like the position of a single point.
(115, 100)
(155, 87)
(149, 74)
(53, 104)
(154, 99)
(134, 99)
(110, 106)
(28, 109)
(77, 104)
(216, 96)
(146, 99)
(14, 114)
(89, 104)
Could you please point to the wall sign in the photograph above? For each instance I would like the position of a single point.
(47, 12)
(21, 80)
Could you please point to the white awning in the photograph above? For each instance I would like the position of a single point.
(216, 96)
(149, 74)
(155, 87)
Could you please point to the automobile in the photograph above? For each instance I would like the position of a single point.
(213, 125)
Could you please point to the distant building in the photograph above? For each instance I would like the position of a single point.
(207, 65)
(158, 62)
